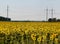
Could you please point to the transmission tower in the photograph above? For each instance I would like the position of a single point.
(7, 11)
(52, 13)
(47, 14)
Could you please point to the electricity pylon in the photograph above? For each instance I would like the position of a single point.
(47, 14)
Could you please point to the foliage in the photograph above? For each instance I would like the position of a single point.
(29, 32)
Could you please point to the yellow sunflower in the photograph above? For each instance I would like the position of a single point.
(33, 36)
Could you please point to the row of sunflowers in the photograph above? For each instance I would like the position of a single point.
(29, 33)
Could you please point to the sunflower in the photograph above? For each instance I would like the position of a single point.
(39, 39)
(33, 36)
(51, 37)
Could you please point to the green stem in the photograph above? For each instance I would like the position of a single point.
(39, 42)
(27, 39)
(22, 39)
(34, 41)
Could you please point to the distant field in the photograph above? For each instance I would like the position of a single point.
(29, 32)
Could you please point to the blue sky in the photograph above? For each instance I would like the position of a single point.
(29, 9)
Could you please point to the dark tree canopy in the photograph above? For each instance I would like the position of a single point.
(4, 19)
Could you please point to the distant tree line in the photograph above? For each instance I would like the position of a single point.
(49, 20)
(53, 20)
(4, 19)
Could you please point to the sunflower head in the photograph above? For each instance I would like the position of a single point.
(33, 36)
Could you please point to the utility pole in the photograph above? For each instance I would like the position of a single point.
(47, 14)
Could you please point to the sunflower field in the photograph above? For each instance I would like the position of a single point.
(29, 32)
